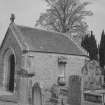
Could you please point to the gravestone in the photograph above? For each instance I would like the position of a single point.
(74, 90)
(36, 95)
(23, 92)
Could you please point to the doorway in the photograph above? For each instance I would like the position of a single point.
(11, 73)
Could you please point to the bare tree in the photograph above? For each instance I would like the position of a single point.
(66, 16)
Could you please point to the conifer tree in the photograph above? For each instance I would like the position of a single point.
(102, 50)
(90, 45)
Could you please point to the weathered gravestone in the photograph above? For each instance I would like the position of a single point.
(36, 95)
(74, 90)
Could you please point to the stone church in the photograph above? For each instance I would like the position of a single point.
(36, 67)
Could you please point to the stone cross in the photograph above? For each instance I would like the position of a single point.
(12, 18)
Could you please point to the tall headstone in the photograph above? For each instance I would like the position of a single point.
(36, 95)
(74, 90)
(23, 93)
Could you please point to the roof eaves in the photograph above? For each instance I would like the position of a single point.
(27, 51)
(5, 37)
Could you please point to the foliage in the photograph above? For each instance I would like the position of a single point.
(66, 16)
(90, 45)
(102, 50)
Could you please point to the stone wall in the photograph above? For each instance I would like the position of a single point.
(47, 70)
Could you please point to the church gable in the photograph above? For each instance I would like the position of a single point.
(10, 51)
(9, 41)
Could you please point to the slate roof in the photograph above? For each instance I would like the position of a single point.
(45, 41)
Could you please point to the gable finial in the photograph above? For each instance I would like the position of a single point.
(12, 18)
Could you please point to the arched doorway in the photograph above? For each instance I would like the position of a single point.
(36, 95)
(11, 65)
(9, 69)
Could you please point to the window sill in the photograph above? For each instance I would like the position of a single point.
(8, 96)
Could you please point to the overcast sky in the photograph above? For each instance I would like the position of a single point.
(28, 11)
